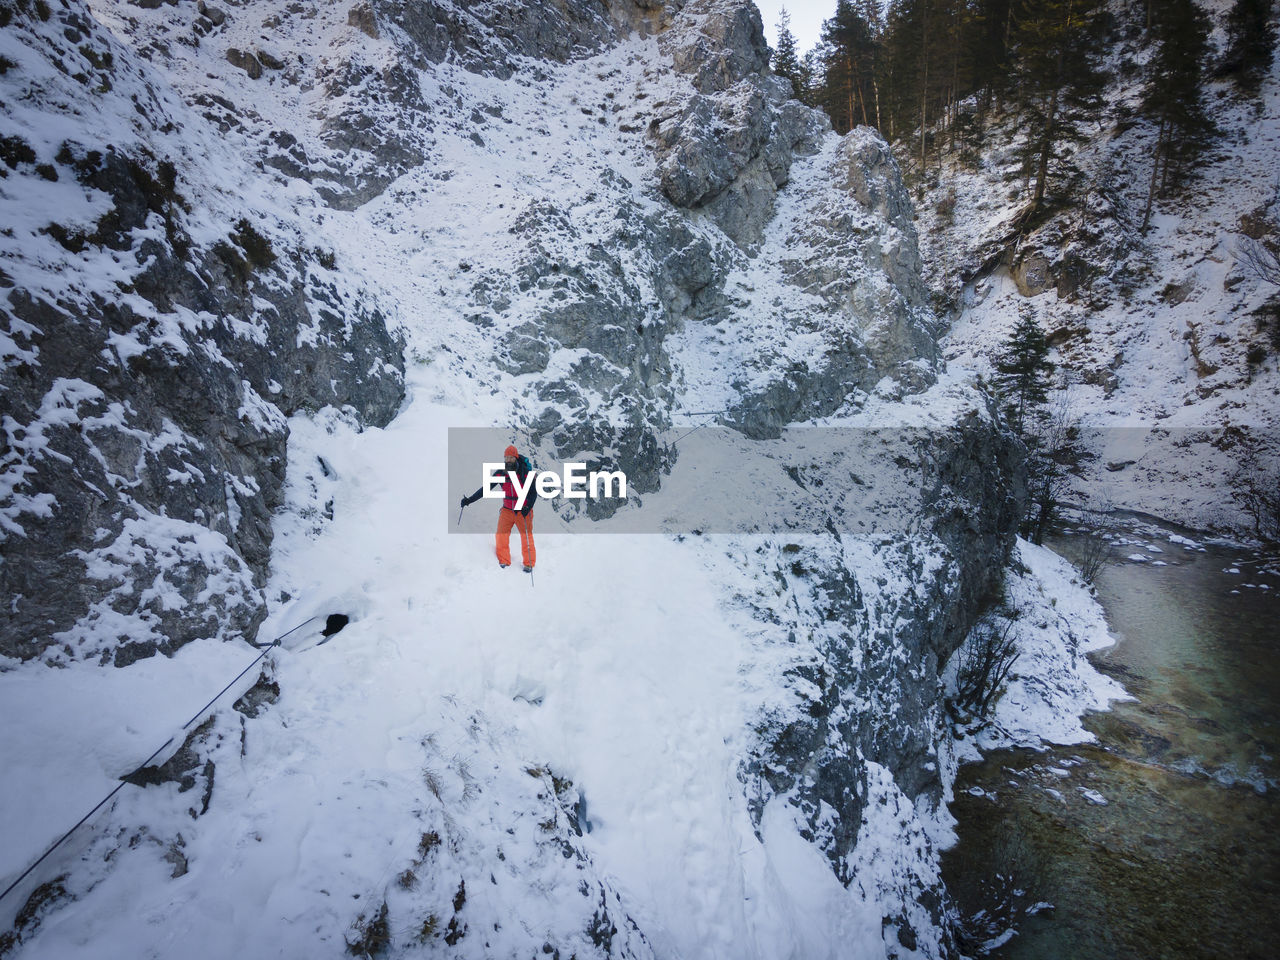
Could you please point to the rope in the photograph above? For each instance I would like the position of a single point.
(267, 649)
(704, 413)
(677, 440)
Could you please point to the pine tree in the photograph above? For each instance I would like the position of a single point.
(927, 69)
(786, 59)
(848, 56)
(1023, 371)
(955, 80)
(987, 48)
(1056, 43)
(811, 66)
(907, 66)
(872, 16)
(1172, 96)
(1252, 42)
(1052, 440)
(1023, 380)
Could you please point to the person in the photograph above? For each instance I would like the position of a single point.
(518, 469)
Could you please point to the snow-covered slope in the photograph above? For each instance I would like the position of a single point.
(672, 746)
(503, 763)
(1163, 338)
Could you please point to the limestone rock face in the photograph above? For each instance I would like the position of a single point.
(146, 421)
(718, 43)
(855, 248)
(489, 38)
(589, 219)
(373, 151)
(380, 124)
(708, 144)
(728, 143)
(245, 61)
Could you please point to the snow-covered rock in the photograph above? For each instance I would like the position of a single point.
(1169, 343)
(241, 318)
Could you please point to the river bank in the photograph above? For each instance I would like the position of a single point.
(1159, 839)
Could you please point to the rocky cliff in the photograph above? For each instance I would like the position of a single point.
(235, 225)
(155, 344)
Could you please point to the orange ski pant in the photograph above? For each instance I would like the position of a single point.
(506, 519)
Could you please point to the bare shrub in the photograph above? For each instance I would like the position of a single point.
(1053, 452)
(986, 659)
(1256, 485)
(1259, 260)
(1094, 542)
(1258, 252)
(370, 937)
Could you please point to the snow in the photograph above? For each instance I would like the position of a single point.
(998, 941)
(634, 667)
(331, 795)
(492, 673)
(70, 733)
(1156, 349)
(649, 722)
(1052, 683)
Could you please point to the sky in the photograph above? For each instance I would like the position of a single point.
(806, 19)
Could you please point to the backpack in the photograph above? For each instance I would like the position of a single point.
(523, 466)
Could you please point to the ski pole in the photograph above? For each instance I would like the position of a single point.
(460, 509)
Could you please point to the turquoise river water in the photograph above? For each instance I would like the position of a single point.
(1161, 840)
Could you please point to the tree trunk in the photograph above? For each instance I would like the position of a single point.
(848, 78)
(1155, 169)
(924, 85)
(1046, 147)
(1168, 159)
(855, 80)
(955, 87)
